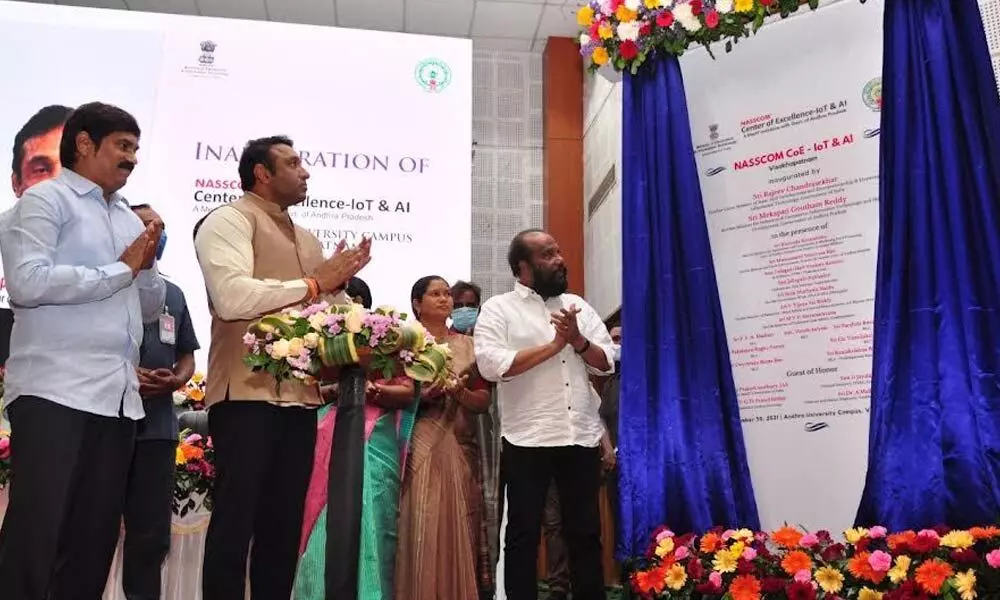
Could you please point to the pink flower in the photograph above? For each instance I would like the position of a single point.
(666, 533)
(993, 558)
(809, 540)
(929, 533)
(877, 532)
(880, 561)
(749, 554)
(4, 448)
(803, 576)
(712, 19)
(715, 579)
(682, 553)
(249, 340)
(194, 438)
(728, 534)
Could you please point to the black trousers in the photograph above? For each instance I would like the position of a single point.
(264, 459)
(148, 513)
(526, 474)
(70, 470)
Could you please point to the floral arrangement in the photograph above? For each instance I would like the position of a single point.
(790, 564)
(195, 473)
(624, 33)
(192, 395)
(4, 458)
(299, 344)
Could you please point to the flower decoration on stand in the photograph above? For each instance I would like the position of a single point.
(624, 33)
(790, 564)
(298, 344)
(195, 473)
(192, 395)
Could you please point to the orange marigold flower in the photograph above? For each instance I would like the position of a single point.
(710, 542)
(859, 567)
(192, 452)
(898, 540)
(788, 537)
(796, 561)
(932, 574)
(745, 587)
(984, 533)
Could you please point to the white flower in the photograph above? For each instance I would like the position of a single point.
(279, 349)
(724, 6)
(666, 3)
(355, 320)
(632, 5)
(628, 31)
(295, 346)
(294, 313)
(685, 16)
(318, 320)
(584, 39)
(311, 340)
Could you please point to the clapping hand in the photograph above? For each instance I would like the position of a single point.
(141, 252)
(346, 262)
(566, 325)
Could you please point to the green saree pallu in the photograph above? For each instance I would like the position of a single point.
(348, 548)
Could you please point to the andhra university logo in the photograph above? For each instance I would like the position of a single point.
(872, 94)
(432, 74)
(207, 53)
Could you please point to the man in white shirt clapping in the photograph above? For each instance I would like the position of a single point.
(540, 345)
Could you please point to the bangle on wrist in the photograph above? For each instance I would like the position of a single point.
(586, 346)
(313, 288)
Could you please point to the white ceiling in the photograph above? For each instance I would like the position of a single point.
(520, 25)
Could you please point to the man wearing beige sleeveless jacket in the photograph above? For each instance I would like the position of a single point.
(255, 261)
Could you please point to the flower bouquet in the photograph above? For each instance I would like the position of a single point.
(790, 564)
(300, 344)
(4, 458)
(192, 395)
(624, 33)
(194, 475)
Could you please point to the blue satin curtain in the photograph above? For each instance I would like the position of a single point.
(683, 461)
(934, 454)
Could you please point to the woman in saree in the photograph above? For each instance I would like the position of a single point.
(441, 553)
(389, 413)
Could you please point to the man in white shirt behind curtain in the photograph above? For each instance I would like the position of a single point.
(540, 345)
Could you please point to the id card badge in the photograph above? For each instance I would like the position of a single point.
(168, 333)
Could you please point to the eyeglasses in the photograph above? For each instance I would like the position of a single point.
(466, 305)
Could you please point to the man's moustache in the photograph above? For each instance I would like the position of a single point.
(128, 166)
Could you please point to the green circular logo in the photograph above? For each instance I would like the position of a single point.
(433, 75)
(872, 94)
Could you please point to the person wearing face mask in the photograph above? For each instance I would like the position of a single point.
(166, 363)
(467, 297)
(541, 345)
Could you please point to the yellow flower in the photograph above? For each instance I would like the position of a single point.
(831, 580)
(854, 536)
(665, 547)
(725, 562)
(355, 319)
(599, 56)
(651, 4)
(867, 594)
(965, 583)
(295, 346)
(676, 577)
(179, 456)
(743, 534)
(584, 16)
(958, 539)
(197, 378)
(625, 14)
(737, 549)
(605, 31)
(279, 349)
(899, 572)
(744, 5)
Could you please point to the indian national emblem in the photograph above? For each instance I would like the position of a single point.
(207, 53)
(713, 132)
(872, 94)
(433, 75)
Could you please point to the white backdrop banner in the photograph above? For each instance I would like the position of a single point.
(383, 122)
(785, 131)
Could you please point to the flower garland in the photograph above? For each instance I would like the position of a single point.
(195, 473)
(790, 564)
(192, 395)
(624, 33)
(299, 344)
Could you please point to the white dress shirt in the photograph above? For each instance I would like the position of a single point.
(554, 403)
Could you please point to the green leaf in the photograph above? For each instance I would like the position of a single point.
(814, 4)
